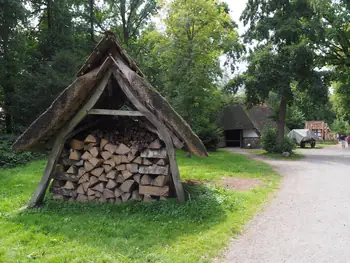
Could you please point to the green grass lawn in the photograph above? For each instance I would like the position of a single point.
(134, 232)
(277, 156)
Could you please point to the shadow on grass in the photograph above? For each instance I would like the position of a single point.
(133, 229)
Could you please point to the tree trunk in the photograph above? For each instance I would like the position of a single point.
(92, 21)
(281, 120)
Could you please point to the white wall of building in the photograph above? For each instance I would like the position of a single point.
(250, 133)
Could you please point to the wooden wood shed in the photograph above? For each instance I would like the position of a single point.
(112, 137)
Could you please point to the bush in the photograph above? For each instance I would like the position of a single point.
(269, 142)
(210, 136)
(268, 139)
(9, 158)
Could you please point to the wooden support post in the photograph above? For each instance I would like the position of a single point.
(114, 112)
(39, 194)
(163, 130)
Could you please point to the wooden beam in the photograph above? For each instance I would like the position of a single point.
(39, 194)
(114, 112)
(163, 130)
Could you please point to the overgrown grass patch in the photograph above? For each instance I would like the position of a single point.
(134, 232)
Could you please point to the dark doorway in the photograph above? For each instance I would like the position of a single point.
(233, 138)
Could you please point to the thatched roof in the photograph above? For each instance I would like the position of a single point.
(238, 117)
(108, 54)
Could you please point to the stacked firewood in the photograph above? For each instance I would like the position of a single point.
(97, 169)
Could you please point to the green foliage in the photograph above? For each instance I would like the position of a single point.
(210, 136)
(341, 126)
(9, 158)
(284, 60)
(268, 139)
(269, 142)
(132, 232)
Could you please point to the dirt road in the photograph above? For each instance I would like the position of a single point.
(309, 220)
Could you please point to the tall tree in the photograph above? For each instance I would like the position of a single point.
(12, 17)
(187, 55)
(126, 17)
(284, 56)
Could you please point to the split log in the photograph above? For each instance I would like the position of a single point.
(137, 178)
(135, 195)
(90, 192)
(72, 170)
(117, 159)
(126, 196)
(145, 161)
(94, 151)
(163, 198)
(103, 143)
(80, 190)
(147, 198)
(108, 193)
(86, 156)
(76, 144)
(69, 186)
(107, 168)
(88, 166)
(81, 171)
(122, 149)
(155, 145)
(162, 162)
(84, 178)
(99, 187)
(110, 162)
(91, 197)
(127, 186)
(111, 184)
(132, 167)
(93, 181)
(65, 192)
(118, 192)
(97, 171)
(89, 146)
(160, 180)
(134, 151)
(137, 160)
(98, 194)
(125, 159)
(103, 178)
(131, 157)
(102, 199)
(110, 200)
(120, 178)
(154, 169)
(90, 139)
(66, 177)
(154, 190)
(96, 162)
(118, 201)
(126, 174)
(120, 167)
(149, 153)
(146, 180)
(86, 186)
(110, 147)
(106, 155)
(112, 174)
(82, 198)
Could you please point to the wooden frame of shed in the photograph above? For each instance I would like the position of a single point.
(107, 65)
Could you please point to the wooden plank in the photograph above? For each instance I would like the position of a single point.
(39, 194)
(114, 112)
(154, 190)
(163, 130)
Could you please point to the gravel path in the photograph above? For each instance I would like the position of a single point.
(309, 220)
